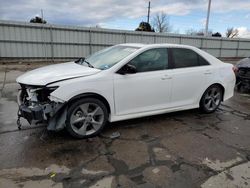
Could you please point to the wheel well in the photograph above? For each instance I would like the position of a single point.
(221, 86)
(93, 95)
(223, 89)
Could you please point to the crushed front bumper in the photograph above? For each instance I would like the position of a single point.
(52, 115)
(35, 113)
(37, 106)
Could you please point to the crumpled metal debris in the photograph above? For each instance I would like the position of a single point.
(115, 135)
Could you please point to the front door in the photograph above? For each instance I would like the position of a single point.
(147, 90)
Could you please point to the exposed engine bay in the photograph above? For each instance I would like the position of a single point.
(36, 105)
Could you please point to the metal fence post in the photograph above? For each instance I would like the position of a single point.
(44, 42)
(205, 44)
(125, 37)
(238, 46)
(3, 45)
(201, 43)
(221, 41)
(51, 44)
(90, 42)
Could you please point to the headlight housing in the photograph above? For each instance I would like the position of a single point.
(44, 93)
(55, 99)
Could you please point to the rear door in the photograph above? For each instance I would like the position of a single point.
(189, 76)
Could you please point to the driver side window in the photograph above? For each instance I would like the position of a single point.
(151, 60)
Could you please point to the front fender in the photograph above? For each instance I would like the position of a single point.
(70, 89)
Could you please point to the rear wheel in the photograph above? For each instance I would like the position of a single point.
(86, 118)
(211, 99)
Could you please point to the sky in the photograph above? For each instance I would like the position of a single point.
(127, 14)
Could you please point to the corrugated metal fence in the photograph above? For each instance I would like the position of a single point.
(19, 40)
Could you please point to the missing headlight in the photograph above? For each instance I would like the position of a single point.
(35, 103)
(44, 93)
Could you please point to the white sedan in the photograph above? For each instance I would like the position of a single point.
(123, 82)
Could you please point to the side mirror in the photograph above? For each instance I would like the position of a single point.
(127, 69)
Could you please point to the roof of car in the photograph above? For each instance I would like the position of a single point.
(208, 57)
(140, 45)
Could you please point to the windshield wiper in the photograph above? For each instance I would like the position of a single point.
(88, 63)
(82, 60)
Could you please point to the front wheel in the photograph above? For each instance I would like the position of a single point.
(86, 118)
(211, 99)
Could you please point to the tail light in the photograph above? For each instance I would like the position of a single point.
(235, 69)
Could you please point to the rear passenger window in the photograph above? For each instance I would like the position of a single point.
(202, 61)
(187, 58)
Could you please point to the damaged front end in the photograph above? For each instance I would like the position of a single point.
(243, 77)
(36, 105)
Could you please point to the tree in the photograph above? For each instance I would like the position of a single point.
(231, 32)
(38, 19)
(217, 34)
(160, 23)
(145, 26)
(200, 32)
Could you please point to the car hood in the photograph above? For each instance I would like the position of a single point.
(244, 63)
(53, 73)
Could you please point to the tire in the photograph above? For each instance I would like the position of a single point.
(211, 99)
(86, 118)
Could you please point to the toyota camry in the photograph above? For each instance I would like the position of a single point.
(122, 82)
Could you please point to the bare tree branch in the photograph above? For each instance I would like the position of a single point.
(160, 23)
(232, 33)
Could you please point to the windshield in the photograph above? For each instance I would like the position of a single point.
(108, 57)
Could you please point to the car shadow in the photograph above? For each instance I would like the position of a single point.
(136, 122)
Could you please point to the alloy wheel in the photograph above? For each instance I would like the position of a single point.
(212, 98)
(86, 119)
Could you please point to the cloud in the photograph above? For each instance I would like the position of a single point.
(203, 21)
(247, 16)
(93, 12)
(178, 8)
(243, 32)
(224, 6)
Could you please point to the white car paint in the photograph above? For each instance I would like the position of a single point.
(52, 73)
(140, 94)
(146, 95)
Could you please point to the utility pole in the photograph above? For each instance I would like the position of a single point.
(208, 14)
(148, 10)
(42, 13)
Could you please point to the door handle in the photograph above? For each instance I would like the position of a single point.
(207, 72)
(166, 77)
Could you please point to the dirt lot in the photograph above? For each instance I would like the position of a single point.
(183, 149)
